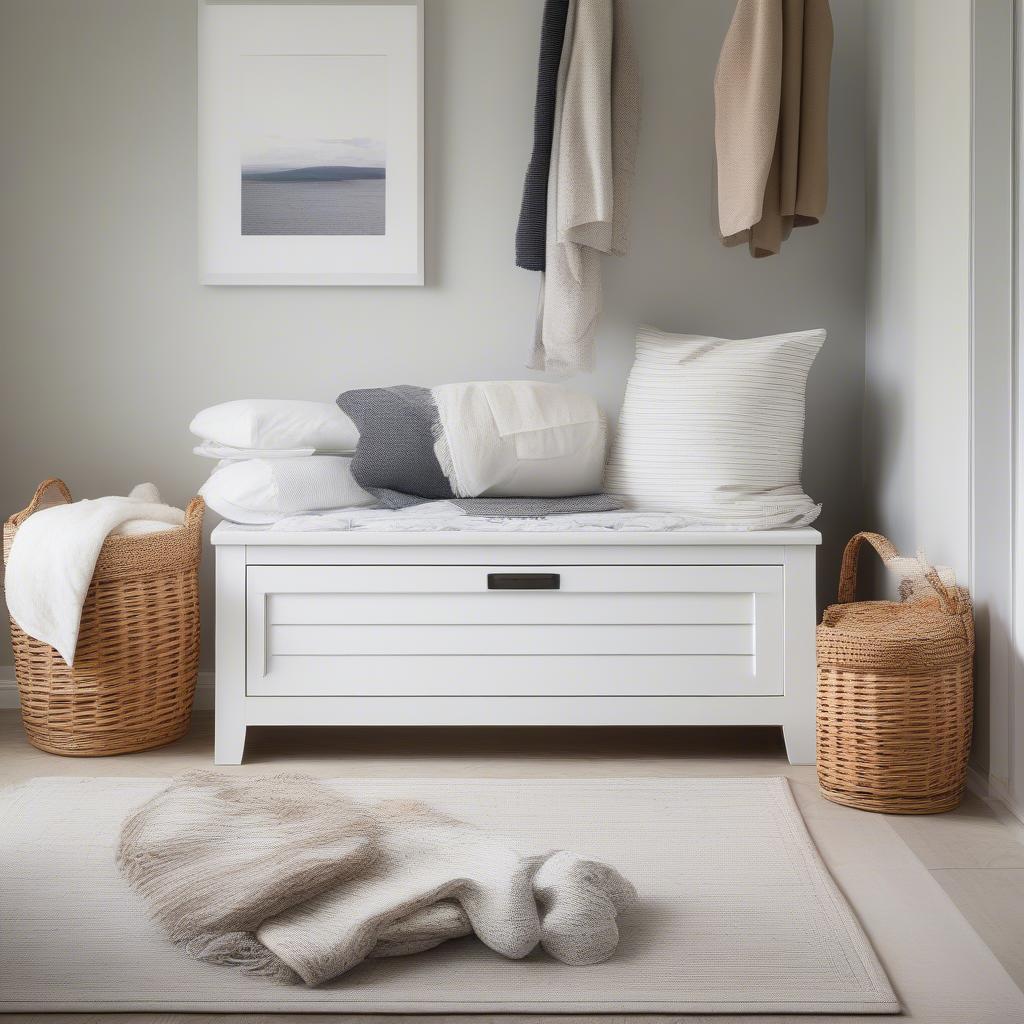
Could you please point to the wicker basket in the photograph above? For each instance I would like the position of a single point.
(895, 694)
(134, 674)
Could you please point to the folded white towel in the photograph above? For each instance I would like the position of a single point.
(519, 439)
(54, 554)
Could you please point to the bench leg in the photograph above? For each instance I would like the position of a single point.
(228, 743)
(229, 678)
(799, 726)
(799, 740)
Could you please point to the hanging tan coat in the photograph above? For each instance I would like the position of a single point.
(771, 121)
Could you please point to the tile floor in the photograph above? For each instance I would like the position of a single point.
(975, 855)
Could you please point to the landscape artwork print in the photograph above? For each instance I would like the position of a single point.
(314, 144)
(310, 133)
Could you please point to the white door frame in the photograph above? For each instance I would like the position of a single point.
(997, 390)
(1006, 775)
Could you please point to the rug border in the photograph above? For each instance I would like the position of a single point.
(11, 796)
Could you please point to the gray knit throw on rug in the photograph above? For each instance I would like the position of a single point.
(287, 878)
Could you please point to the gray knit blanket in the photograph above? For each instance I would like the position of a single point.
(285, 878)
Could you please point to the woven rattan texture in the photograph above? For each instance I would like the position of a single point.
(133, 680)
(895, 695)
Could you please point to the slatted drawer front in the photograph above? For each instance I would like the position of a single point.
(438, 630)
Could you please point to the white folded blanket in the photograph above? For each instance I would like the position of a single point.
(54, 554)
(510, 438)
(439, 516)
(281, 877)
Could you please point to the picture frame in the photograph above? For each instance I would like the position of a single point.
(310, 143)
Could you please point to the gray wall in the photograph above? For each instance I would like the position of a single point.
(918, 286)
(917, 301)
(939, 311)
(110, 345)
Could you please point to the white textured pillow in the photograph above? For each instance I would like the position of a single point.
(265, 490)
(713, 428)
(270, 423)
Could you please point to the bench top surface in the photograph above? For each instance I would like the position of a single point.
(233, 533)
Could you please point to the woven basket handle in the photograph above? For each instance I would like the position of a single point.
(37, 499)
(886, 551)
(194, 512)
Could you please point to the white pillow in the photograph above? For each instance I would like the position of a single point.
(713, 428)
(268, 423)
(225, 453)
(265, 490)
(519, 438)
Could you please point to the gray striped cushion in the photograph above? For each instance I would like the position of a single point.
(713, 428)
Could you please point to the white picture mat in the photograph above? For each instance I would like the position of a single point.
(229, 32)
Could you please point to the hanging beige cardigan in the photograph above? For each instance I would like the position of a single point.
(771, 121)
(597, 115)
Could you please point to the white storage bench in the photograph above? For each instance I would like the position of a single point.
(519, 628)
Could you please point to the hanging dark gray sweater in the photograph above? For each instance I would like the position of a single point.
(533, 215)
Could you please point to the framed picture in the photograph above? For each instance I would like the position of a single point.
(311, 143)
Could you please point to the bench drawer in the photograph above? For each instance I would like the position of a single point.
(421, 630)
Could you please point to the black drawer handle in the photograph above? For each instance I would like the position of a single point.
(523, 581)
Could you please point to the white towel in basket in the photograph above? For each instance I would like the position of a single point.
(54, 554)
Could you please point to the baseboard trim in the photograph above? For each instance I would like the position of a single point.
(9, 690)
(981, 784)
(999, 798)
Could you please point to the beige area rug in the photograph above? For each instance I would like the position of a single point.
(738, 914)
